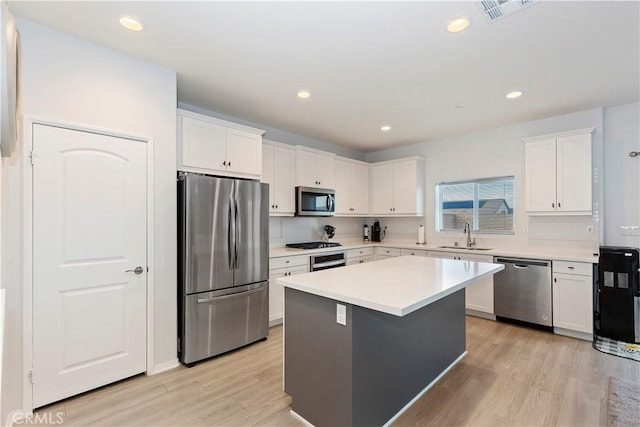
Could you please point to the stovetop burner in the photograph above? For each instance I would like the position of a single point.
(312, 245)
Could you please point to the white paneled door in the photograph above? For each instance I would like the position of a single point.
(89, 261)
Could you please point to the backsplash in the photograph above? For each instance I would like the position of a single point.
(284, 230)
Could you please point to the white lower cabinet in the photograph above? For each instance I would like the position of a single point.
(573, 298)
(382, 252)
(282, 267)
(359, 255)
(478, 296)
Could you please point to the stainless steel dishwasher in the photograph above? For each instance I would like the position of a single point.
(522, 291)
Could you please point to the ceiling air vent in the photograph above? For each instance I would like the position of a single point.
(497, 9)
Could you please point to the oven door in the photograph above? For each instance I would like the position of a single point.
(315, 201)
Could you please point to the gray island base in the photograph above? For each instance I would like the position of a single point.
(367, 372)
(363, 342)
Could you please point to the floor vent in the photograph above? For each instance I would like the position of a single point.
(495, 10)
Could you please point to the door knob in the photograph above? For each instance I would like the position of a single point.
(137, 270)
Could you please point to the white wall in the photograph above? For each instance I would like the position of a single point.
(494, 153)
(621, 173)
(68, 79)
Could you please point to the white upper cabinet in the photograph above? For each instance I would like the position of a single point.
(559, 173)
(278, 170)
(314, 168)
(352, 187)
(212, 146)
(397, 187)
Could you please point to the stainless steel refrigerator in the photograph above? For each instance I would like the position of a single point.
(223, 299)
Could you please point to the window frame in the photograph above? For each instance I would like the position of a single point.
(476, 214)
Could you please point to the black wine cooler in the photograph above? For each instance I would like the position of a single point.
(617, 302)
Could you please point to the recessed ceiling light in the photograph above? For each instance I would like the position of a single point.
(514, 94)
(304, 94)
(385, 128)
(131, 23)
(457, 24)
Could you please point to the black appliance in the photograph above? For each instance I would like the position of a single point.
(377, 234)
(617, 299)
(312, 245)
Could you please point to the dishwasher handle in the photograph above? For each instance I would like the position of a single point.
(522, 263)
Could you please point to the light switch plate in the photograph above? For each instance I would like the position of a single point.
(341, 314)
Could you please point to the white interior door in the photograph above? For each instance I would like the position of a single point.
(89, 233)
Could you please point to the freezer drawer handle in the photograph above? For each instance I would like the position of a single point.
(224, 297)
(329, 263)
(521, 266)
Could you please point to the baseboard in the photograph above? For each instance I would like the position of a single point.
(275, 322)
(300, 418)
(162, 367)
(573, 334)
(476, 313)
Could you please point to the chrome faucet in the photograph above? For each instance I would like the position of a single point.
(467, 230)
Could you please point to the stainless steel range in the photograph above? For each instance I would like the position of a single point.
(323, 260)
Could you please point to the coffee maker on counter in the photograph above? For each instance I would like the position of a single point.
(377, 233)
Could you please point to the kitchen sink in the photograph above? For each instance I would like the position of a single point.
(473, 248)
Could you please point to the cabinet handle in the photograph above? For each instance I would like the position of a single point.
(273, 206)
(571, 268)
(229, 163)
(224, 163)
(276, 206)
(555, 280)
(558, 204)
(553, 205)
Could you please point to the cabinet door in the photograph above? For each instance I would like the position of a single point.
(573, 302)
(203, 145)
(343, 186)
(276, 291)
(404, 187)
(442, 254)
(325, 171)
(479, 296)
(540, 181)
(244, 152)
(268, 173)
(359, 189)
(284, 166)
(574, 173)
(381, 189)
(307, 165)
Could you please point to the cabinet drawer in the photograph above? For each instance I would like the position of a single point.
(582, 268)
(288, 271)
(359, 260)
(414, 252)
(359, 252)
(388, 251)
(289, 261)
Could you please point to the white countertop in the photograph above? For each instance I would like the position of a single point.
(395, 286)
(537, 252)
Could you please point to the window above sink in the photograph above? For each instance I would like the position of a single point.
(487, 203)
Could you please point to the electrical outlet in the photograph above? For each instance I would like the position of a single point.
(341, 314)
(589, 229)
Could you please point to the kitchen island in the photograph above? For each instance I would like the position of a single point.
(363, 342)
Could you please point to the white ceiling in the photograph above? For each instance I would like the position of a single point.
(373, 63)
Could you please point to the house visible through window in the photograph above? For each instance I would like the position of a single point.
(486, 203)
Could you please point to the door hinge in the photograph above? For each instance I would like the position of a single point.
(30, 376)
(32, 156)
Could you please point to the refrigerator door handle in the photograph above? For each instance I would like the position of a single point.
(231, 236)
(236, 237)
(224, 297)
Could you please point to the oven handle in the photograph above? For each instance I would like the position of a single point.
(329, 264)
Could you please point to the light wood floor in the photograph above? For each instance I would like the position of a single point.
(511, 376)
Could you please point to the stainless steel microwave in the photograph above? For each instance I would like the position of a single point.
(312, 201)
